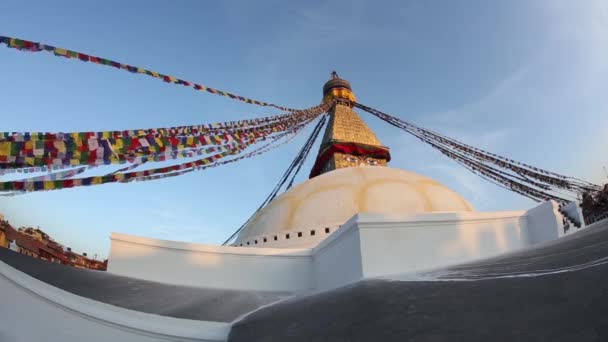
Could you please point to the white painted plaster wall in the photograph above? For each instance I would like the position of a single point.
(427, 241)
(337, 260)
(226, 267)
(368, 245)
(35, 311)
(544, 223)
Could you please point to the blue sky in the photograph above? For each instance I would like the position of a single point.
(526, 79)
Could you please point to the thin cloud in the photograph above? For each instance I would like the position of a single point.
(502, 90)
(472, 184)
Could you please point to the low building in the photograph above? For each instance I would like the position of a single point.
(36, 243)
(83, 261)
(36, 233)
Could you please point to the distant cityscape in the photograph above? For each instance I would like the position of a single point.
(37, 244)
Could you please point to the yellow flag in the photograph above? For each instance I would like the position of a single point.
(61, 51)
(118, 144)
(5, 148)
(60, 146)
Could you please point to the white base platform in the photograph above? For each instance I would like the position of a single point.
(366, 246)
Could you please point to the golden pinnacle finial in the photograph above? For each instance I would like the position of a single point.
(337, 88)
(348, 141)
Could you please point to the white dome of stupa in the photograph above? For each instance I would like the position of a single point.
(334, 197)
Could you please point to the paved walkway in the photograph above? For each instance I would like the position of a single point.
(558, 292)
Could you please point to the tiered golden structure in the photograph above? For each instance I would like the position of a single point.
(347, 141)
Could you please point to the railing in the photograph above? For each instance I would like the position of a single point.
(567, 220)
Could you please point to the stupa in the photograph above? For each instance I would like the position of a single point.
(354, 220)
(350, 175)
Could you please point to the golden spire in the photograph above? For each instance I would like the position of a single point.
(347, 141)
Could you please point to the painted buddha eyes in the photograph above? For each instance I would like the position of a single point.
(361, 160)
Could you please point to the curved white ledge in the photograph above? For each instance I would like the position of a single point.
(224, 267)
(212, 249)
(167, 328)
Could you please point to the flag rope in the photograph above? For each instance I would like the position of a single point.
(26, 45)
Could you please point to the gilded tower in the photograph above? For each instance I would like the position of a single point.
(347, 141)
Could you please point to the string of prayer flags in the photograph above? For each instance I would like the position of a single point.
(97, 152)
(260, 150)
(24, 150)
(26, 45)
(524, 179)
(29, 185)
(57, 175)
(23, 186)
(201, 129)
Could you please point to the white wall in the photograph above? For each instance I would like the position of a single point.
(263, 269)
(337, 260)
(35, 311)
(544, 223)
(368, 245)
(426, 241)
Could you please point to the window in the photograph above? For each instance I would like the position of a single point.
(326, 230)
(312, 232)
(299, 234)
(255, 241)
(265, 240)
(287, 236)
(276, 238)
